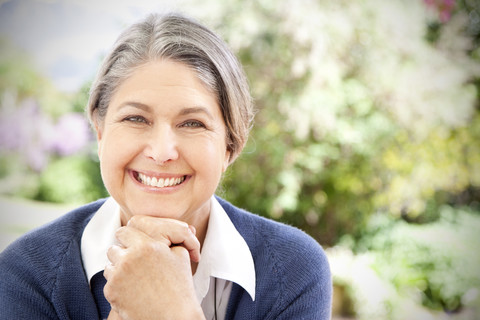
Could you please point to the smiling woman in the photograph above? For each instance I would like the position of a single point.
(172, 110)
(153, 127)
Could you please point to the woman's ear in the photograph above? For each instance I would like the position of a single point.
(228, 159)
(98, 130)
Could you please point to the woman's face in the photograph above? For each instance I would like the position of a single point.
(162, 145)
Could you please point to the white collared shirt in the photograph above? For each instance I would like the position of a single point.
(225, 256)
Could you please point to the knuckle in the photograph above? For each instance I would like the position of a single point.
(154, 247)
(184, 225)
(184, 229)
(148, 248)
(109, 293)
(120, 231)
(110, 251)
(177, 224)
(180, 251)
(135, 220)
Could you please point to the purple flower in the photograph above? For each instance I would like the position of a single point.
(72, 134)
(27, 131)
(16, 124)
(23, 130)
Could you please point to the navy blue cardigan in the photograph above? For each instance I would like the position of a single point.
(42, 276)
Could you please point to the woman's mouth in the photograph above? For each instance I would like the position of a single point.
(159, 182)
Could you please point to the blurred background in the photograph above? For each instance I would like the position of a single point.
(367, 134)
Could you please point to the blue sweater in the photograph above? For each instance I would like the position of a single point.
(42, 276)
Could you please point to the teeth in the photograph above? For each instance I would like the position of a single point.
(159, 182)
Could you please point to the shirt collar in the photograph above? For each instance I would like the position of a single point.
(225, 254)
(99, 236)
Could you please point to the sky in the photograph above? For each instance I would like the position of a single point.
(67, 38)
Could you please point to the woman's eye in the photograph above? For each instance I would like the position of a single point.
(193, 124)
(135, 119)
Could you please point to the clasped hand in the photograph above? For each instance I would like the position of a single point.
(150, 275)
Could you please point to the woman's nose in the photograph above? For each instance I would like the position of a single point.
(162, 145)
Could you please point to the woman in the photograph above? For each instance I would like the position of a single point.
(172, 110)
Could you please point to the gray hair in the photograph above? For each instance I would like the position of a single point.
(184, 40)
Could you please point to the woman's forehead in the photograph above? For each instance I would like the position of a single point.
(165, 82)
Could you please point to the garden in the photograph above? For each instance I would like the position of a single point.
(366, 136)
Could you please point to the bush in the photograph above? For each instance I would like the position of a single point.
(74, 180)
(435, 264)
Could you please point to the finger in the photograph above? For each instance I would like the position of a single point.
(114, 254)
(192, 228)
(113, 315)
(175, 231)
(108, 271)
(131, 237)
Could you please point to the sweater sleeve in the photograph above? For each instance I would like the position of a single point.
(42, 275)
(24, 292)
(293, 279)
(305, 285)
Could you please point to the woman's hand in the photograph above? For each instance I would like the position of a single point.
(150, 276)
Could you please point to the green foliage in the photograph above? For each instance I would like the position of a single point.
(74, 179)
(44, 140)
(360, 110)
(19, 81)
(80, 99)
(439, 259)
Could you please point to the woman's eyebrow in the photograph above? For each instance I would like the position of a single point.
(196, 109)
(183, 111)
(135, 105)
